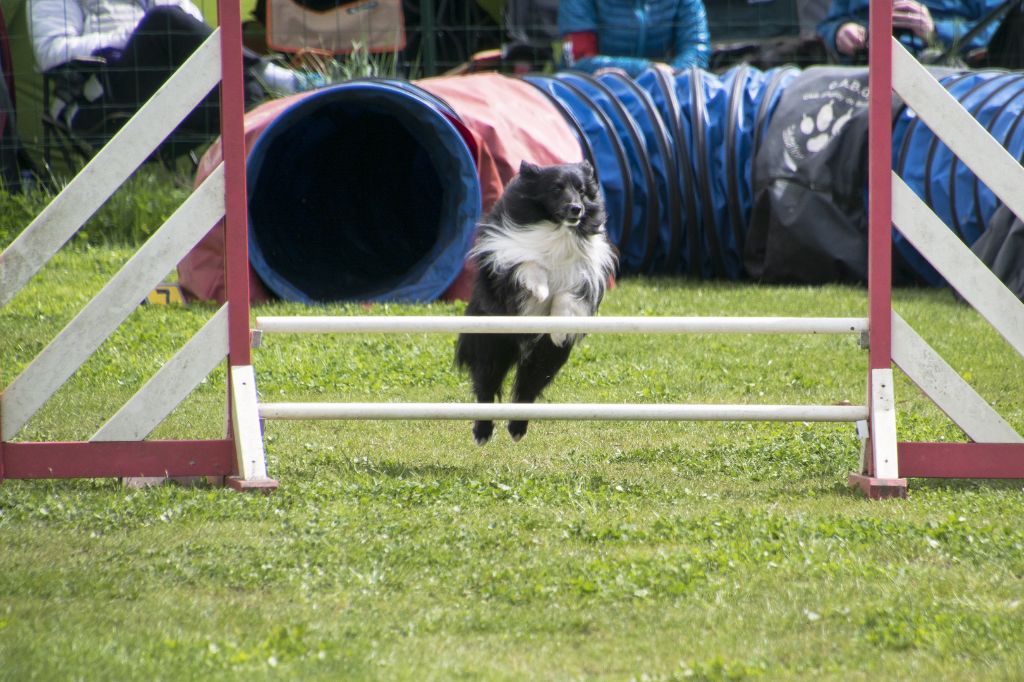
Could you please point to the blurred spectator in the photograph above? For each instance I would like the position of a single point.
(931, 24)
(765, 34)
(811, 13)
(627, 35)
(1006, 49)
(532, 30)
(124, 50)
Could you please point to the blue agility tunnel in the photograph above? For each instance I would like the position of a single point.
(371, 190)
(673, 153)
(363, 191)
(996, 100)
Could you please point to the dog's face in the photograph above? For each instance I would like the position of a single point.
(566, 194)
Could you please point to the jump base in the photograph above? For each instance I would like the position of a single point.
(879, 488)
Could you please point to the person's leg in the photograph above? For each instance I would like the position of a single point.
(1006, 49)
(162, 41)
(11, 154)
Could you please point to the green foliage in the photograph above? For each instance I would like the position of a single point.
(627, 551)
(360, 63)
(328, 69)
(129, 217)
(18, 210)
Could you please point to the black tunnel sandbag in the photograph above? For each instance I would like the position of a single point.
(361, 191)
(808, 221)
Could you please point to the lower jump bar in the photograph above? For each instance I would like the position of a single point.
(593, 411)
(572, 325)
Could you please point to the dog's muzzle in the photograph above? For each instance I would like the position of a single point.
(573, 215)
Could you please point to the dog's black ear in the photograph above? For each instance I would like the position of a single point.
(527, 169)
(588, 170)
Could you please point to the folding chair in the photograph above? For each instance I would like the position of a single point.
(77, 117)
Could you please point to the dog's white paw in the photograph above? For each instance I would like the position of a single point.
(534, 280)
(540, 291)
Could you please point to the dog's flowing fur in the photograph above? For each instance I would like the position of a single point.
(542, 250)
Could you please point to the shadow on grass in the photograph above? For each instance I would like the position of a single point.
(965, 485)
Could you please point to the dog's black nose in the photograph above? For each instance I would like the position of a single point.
(575, 210)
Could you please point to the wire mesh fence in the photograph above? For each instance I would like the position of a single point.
(64, 112)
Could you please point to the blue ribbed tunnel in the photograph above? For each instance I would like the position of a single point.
(928, 166)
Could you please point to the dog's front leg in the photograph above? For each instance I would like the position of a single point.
(534, 279)
(535, 371)
(567, 305)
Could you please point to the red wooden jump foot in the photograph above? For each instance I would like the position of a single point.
(879, 488)
(263, 485)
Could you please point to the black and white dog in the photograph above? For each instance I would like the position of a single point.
(542, 250)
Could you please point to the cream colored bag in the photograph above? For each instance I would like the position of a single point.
(376, 25)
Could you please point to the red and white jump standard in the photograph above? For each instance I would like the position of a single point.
(118, 449)
(997, 450)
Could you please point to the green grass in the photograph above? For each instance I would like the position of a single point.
(400, 550)
(130, 216)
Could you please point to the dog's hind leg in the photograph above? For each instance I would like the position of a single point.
(535, 371)
(488, 358)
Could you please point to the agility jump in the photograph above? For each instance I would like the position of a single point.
(119, 450)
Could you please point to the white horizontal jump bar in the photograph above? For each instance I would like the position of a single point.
(598, 411)
(577, 325)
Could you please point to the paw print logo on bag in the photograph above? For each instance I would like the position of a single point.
(826, 115)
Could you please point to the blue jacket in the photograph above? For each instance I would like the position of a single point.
(630, 32)
(952, 18)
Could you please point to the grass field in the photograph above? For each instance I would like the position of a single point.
(400, 550)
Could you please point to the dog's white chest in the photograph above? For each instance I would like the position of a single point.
(558, 266)
(550, 263)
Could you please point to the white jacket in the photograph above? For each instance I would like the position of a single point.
(62, 30)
